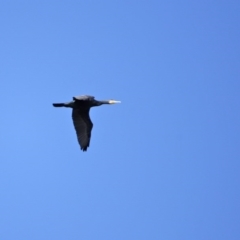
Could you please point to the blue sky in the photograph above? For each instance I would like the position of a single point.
(164, 164)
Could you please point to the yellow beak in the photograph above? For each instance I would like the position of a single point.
(113, 101)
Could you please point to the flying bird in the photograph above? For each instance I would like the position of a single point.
(80, 115)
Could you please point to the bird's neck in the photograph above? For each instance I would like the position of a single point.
(99, 103)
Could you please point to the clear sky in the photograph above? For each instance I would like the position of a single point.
(164, 164)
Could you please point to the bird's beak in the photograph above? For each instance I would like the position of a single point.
(113, 101)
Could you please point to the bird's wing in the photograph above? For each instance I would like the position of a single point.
(83, 98)
(83, 126)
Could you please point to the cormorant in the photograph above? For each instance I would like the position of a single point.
(80, 115)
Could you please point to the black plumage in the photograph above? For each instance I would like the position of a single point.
(80, 115)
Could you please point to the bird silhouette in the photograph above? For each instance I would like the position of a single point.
(80, 115)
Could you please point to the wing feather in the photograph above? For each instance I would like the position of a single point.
(83, 126)
(83, 98)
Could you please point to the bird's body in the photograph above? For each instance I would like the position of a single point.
(80, 115)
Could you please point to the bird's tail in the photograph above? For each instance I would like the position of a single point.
(59, 104)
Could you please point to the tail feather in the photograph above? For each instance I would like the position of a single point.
(59, 104)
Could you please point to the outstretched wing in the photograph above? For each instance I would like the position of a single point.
(83, 126)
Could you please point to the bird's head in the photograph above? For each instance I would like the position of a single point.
(99, 103)
(113, 101)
